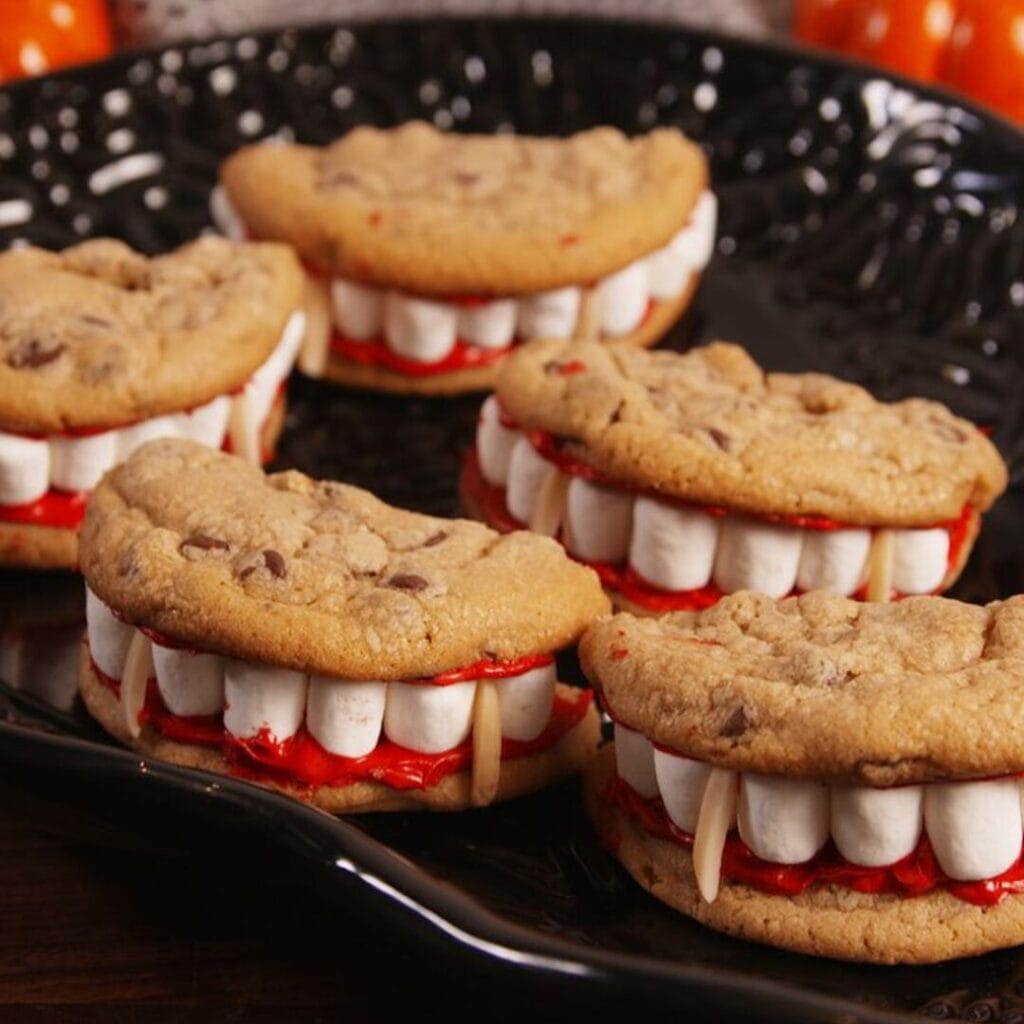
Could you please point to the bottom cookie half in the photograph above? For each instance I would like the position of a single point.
(518, 776)
(826, 920)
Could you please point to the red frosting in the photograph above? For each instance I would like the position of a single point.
(61, 509)
(914, 875)
(301, 759)
(375, 352)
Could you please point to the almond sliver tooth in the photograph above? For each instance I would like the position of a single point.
(880, 566)
(486, 744)
(587, 320)
(717, 812)
(242, 428)
(550, 507)
(138, 667)
(316, 341)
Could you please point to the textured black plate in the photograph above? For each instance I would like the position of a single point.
(866, 229)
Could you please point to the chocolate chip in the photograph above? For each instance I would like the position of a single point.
(274, 561)
(343, 177)
(736, 724)
(723, 440)
(247, 572)
(466, 177)
(408, 581)
(616, 415)
(95, 321)
(436, 539)
(34, 353)
(205, 543)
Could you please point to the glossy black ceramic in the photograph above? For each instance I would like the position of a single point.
(867, 229)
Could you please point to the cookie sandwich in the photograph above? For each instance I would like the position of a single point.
(304, 634)
(102, 348)
(681, 478)
(828, 776)
(431, 255)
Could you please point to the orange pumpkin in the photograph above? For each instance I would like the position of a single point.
(37, 36)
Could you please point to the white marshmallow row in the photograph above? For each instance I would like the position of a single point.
(974, 828)
(426, 330)
(345, 717)
(29, 467)
(679, 549)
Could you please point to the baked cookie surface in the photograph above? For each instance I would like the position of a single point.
(823, 687)
(436, 213)
(709, 426)
(99, 335)
(337, 581)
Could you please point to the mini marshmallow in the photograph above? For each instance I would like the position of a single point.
(130, 438)
(345, 717)
(920, 560)
(489, 325)
(207, 424)
(668, 269)
(225, 216)
(24, 469)
(597, 521)
(622, 299)
(672, 547)
(974, 827)
(262, 698)
(833, 560)
(419, 329)
(190, 682)
(876, 827)
(634, 761)
(429, 719)
(784, 821)
(551, 314)
(78, 463)
(755, 555)
(494, 443)
(109, 637)
(358, 309)
(526, 472)
(681, 784)
(525, 701)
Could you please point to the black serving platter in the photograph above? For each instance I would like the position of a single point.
(868, 228)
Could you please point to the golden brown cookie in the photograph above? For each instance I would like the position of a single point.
(682, 477)
(326, 639)
(441, 251)
(102, 348)
(829, 776)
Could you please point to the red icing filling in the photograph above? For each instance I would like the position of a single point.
(916, 874)
(301, 759)
(375, 352)
(622, 578)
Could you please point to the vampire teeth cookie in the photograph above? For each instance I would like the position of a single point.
(431, 255)
(102, 349)
(833, 777)
(680, 478)
(306, 635)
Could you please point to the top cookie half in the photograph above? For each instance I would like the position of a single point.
(821, 687)
(439, 214)
(319, 576)
(99, 335)
(709, 426)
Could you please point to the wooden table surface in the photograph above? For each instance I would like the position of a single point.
(95, 933)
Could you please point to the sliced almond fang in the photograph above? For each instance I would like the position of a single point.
(717, 813)
(243, 429)
(316, 340)
(550, 507)
(880, 566)
(486, 744)
(587, 319)
(138, 667)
